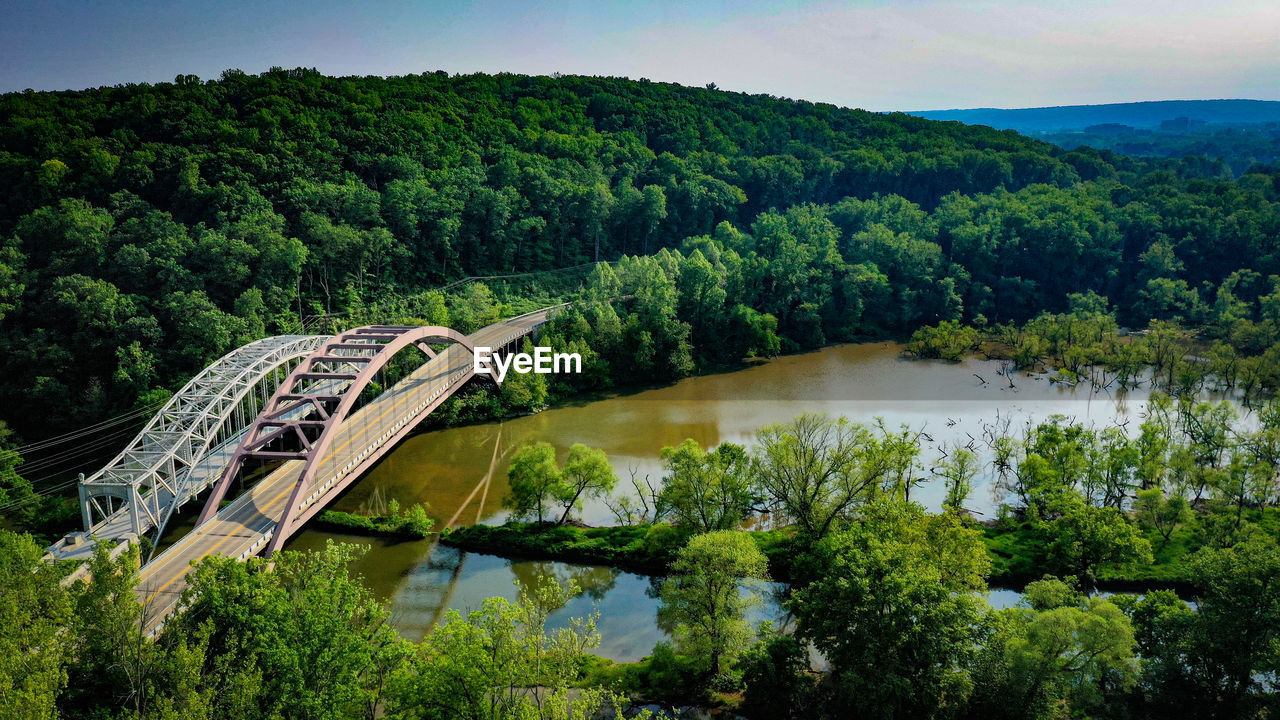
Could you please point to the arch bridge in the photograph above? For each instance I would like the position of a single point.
(307, 413)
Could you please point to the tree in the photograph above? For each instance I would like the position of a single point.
(948, 340)
(1165, 628)
(751, 334)
(11, 287)
(537, 481)
(1219, 660)
(1237, 637)
(776, 680)
(1085, 540)
(702, 295)
(641, 504)
(67, 239)
(298, 637)
(957, 470)
(701, 597)
(36, 638)
(333, 254)
(707, 491)
(114, 658)
(1162, 513)
(474, 308)
(587, 474)
(501, 662)
(813, 470)
(533, 477)
(525, 392)
(201, 331)
(1061, 654)
(893, 602)
(22, 504)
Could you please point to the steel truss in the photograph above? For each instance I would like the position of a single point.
(183, 449)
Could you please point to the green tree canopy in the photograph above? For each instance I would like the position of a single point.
(893, 602)
(701, 598)
(707, 491)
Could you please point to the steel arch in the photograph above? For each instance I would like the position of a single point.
(161, 468)
(301, 418)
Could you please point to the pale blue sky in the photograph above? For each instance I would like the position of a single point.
(877, 55)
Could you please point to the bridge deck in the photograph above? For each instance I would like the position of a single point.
(242, 528)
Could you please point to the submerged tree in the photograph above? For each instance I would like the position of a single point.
(957, 470)
(811, 471)
(707, 491)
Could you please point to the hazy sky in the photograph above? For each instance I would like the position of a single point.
(876, 55)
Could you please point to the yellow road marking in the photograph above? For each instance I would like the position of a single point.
(210, 551)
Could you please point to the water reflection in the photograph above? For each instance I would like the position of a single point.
(443, 579)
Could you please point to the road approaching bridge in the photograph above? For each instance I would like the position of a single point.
(332, 451)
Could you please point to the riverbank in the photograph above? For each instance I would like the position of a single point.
(411, 524)
(1019, 552)
(640, 549)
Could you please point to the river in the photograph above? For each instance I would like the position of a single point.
(460, 473)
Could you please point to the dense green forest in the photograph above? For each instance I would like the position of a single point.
(147, 229)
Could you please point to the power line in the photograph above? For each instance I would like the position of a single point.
(90, 447)
(530, 273)
(97, 428)
(86, 430)
(33, 497)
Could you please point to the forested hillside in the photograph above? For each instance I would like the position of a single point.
(147, 229)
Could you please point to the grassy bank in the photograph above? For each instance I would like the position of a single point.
(641, 549)
(408, 524)
(1019, 553)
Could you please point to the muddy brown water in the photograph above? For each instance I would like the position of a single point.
(460, 473)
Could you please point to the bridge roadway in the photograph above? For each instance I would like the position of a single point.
(243, 528)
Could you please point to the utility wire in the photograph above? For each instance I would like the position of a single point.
(45, 463)
(86, 430)
(34, 497)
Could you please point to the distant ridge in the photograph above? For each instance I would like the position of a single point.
(1136, 114)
